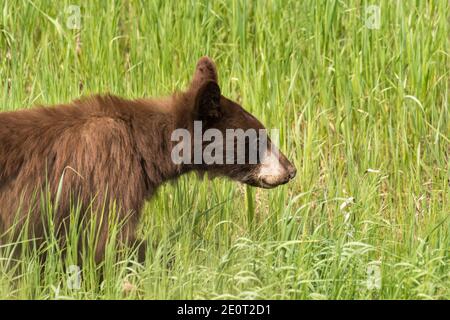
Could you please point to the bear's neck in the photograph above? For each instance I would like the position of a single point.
(153, 122)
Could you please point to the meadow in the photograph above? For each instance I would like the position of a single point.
(362, 108)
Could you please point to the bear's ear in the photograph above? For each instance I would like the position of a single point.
(204, 71)
(207, 102)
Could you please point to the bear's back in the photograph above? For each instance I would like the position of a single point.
(85, 148)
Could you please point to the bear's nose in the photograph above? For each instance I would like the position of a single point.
(292, 171)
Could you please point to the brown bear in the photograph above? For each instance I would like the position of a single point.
(104, 149)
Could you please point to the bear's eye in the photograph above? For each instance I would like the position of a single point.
(252, 150)
(258, 150)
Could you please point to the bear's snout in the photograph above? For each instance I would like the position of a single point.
(275, 169)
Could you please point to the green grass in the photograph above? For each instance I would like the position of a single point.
(346, 99)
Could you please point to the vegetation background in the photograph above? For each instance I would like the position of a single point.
(362, 108)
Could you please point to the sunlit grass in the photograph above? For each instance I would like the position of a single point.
(363, 114)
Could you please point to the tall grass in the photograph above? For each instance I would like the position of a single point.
(363, 114)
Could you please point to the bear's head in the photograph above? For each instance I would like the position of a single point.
(229, 141)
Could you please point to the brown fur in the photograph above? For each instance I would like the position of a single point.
(108, 148)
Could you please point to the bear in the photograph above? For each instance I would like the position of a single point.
(104, 149)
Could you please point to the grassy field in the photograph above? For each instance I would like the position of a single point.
(362, 111)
